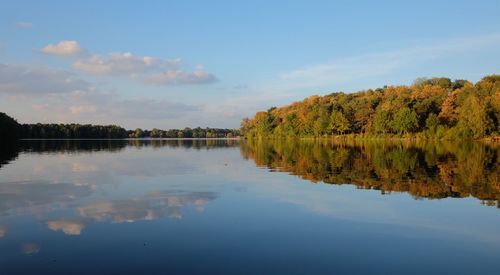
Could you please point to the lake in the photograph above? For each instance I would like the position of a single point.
(249, 207)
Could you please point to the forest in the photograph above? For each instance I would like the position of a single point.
(10, 129)
(435, 108)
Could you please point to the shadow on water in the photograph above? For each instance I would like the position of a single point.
(424, 170)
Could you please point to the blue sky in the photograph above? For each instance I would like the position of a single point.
(211, 63)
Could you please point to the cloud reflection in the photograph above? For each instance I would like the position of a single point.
(3, 231)
(152, 206)
(30, 248)
(68, 227)
(20, 196)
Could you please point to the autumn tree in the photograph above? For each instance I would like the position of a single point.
(474, 117)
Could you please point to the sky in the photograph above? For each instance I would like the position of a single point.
(176, 64)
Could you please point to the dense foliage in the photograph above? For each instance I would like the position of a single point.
(423, 169)
(430, 108)
(186, 133)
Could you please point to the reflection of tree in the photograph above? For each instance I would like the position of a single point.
(421, 169)
(184, 143)
(8, 152)
(152, 206)
(69, 146)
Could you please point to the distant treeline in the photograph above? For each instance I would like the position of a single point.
(11, 130)
(430, 108)
(186, 133)
(71, 131)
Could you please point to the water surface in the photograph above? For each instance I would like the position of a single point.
(230, 207)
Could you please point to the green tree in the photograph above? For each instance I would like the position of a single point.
(404, 121)
(381, 121)
(432, 122)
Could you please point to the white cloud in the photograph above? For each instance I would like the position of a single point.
(27, 79)
(153, 70)
(24, 25)
(63, 48)
(122, 64)
(178, 77)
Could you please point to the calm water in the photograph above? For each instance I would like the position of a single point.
(228, 207)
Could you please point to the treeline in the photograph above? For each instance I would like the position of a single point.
(71, 131)
(185, 133)
(11, 130)
(429, 108)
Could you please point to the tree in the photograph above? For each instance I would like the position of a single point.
(321, 123)
(138, 133)
(474, 117)
(9, 127)
(432, 122)
(156, 133)
(338, 123)
(381, 121)
(449, 114)
(404, 121)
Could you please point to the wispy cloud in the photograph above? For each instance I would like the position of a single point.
(36, 80)
(123, 64)
(100, 107)
(24, 25)
(178, 77)
(383, 63)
